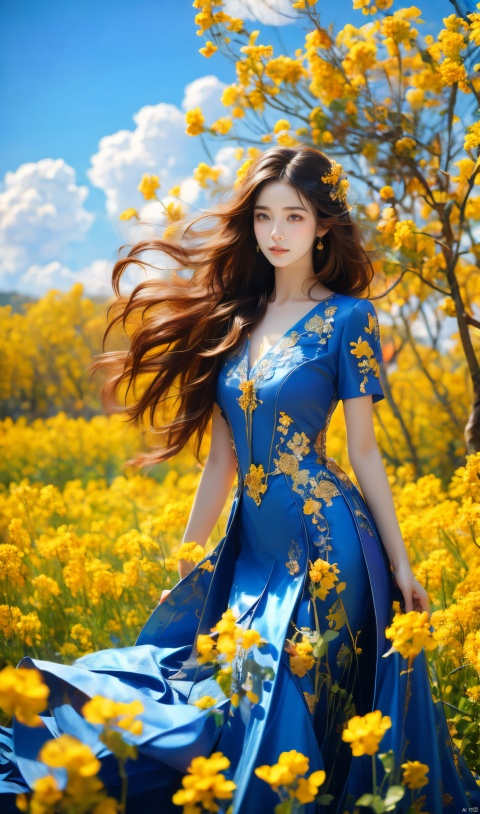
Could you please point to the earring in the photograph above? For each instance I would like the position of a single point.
(320, 244)
(258, 248)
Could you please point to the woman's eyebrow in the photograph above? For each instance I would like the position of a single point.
(285, 207)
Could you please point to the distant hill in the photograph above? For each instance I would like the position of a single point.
(17, 300)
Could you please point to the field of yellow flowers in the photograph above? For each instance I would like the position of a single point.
(87, 546)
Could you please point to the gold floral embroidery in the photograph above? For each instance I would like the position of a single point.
(294, 553)
(279, 354)
(362, 350)
(248, 401)
(363, 521)
(287, 463)
(322, 327)
(253, 482)
(315, 490)
(311, 506)
(311, 701)
(344, 656)
(288, 341)
(373, 326)
(320, 448)
(326, 489)
(206, 566)
(284, 422)
(299, 444)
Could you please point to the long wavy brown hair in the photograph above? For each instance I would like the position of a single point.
(194, 320)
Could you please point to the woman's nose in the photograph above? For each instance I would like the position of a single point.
(276, 232)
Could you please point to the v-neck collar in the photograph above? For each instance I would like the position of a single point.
(288, 331)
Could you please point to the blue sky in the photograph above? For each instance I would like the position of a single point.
(73, 73)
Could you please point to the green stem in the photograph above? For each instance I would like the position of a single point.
(123, 775)
(374, 774)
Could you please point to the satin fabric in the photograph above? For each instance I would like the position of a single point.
(293, 505)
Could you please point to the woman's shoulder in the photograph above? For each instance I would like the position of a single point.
(355, 316)
(360, 305)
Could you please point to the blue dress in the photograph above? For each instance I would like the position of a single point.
(293, 506)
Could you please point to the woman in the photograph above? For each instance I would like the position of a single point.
(305, 553)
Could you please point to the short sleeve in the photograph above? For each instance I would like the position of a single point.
(360, 354)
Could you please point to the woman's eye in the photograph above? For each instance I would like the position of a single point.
(260, 215)
(296, 216)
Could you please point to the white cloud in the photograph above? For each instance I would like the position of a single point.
(37, 279)
(158, 145)
(42, 208)
(41, 214)
(205, 92)
(225, 159)
(268, 12)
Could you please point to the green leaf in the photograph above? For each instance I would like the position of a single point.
(388, 760)
(364, 800)
(372, 800)
(329, 635)
(394, 794)
(285, 807)
(324, 799)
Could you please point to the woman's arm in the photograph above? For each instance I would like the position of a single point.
(370, 472)
(213, 490)
(214, 487)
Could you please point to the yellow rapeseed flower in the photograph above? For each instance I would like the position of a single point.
(101, 710)
(472, 138)
(222, 125)
(282, 124)
(307, 787)
(206, 648)
(404, 146)
(69, 753)
(23, 694)
(148, 185)
(323, 576)
(191, 552)
(452, 71)
(415, 98)
(387, 192)
(195, 121)
(204, 173)
(301, 655)
(405, 234)
(364, 733)
(205, 702)
(46, 791)
(409, 633)
(127, 214)
(204, 783)
(209, 49)
(414, 774)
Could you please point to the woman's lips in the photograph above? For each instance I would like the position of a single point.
(278, 251)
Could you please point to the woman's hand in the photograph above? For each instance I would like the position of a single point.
(415, 595)
(184, 568)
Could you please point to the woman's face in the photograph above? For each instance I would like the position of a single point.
(285, 225)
